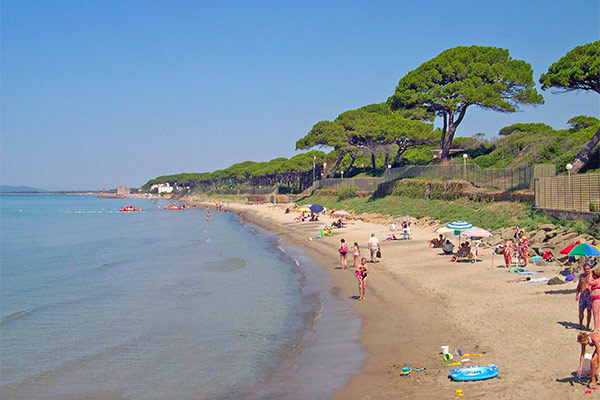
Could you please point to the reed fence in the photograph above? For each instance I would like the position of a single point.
(577, 192)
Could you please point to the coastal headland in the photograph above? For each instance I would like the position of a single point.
(417, 301)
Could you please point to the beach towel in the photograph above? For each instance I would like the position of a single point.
(515, 269)
(525, 272)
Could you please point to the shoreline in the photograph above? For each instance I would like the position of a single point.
(417, 301)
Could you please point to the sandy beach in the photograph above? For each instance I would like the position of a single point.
(417, 301)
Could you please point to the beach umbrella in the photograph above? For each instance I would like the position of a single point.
(305, 209)
(341, 213)
(316, 208)
(476, 232)
(567, 249)
(459, 225)
(584, 249)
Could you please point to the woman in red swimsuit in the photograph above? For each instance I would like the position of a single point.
(594, 282)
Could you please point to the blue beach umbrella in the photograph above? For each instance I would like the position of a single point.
(585, 249)
(316, 208)
(458, 226)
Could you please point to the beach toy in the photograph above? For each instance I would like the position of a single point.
(405, 371)
(416, 369)
(459, 393)
(447, 357)
(474, 373)
(445, 349)
(458, 352)
(319, 236)
(465, 360)
(472, 355)
(450, 365)
(570, 277)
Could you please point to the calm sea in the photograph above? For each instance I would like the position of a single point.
(101, 304)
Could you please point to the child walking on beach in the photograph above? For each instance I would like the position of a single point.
(356, 254)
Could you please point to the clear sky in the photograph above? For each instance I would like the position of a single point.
(97, 94)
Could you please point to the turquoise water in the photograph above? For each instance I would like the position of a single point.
(96, 303)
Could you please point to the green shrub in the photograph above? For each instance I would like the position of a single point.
(347, 192)
(593, 207)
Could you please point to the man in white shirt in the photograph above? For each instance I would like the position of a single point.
(373, 246)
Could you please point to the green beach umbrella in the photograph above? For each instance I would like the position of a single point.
(586, 250)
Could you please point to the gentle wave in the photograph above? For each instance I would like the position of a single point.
(16, 315)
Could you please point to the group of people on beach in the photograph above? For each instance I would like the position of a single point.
(518, 243)
(361, 269)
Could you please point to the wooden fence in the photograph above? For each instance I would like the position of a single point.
(363, 184)
(578, 192)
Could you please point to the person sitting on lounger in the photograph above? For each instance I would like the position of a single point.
(435, 242)
(463, 251)
(448, 247)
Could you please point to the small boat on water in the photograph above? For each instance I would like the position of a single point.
(174, 207)
(131, 208)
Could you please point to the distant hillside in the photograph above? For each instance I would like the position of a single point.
(19, 189)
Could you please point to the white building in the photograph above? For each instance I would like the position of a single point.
(162, 187)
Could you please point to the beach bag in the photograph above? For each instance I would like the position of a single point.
(378, 255)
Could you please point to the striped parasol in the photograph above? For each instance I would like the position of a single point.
(585, 249)
(459, 225)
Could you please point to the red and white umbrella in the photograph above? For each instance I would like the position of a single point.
(341, 213)
(476, 232)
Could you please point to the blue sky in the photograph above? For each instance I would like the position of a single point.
(97, 94)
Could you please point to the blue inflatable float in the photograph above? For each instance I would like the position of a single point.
(474, 373)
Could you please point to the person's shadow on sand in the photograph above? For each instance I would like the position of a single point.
(570, 325)
(574, 380)
(353, 297)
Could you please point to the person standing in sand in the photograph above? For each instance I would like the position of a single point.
(508, 247)
(523, 248)
(343, 249)
(594, 282)
(356, 254)
(374, 246)
(362, 271)
(584, 340)
(582, 295)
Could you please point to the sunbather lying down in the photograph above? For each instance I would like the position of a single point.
(393, 237)
(528, 278)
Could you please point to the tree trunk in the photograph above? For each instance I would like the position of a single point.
(373, 160)
(353, 158)
(452, 125)
(446, 149)
(337, 164)
(387, 158)
(401, 150)
(583, 157)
